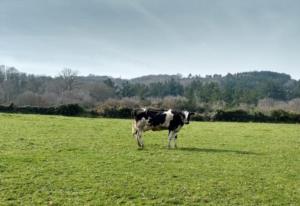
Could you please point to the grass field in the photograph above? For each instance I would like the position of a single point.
(50, 160)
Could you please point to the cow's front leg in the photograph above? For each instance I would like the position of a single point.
(139, 139)
(175, 140)
(170, 137)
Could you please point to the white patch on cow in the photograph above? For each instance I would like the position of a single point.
(147, 125)
(169, 118)
(178, 128)
(186, 115)
(142, 123)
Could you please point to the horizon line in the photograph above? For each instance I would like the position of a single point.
(149, 74)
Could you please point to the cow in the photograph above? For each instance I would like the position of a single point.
(156, 120)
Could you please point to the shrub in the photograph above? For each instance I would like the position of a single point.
(117, 111)
(284, 117)
(69, 110)
(233, 116)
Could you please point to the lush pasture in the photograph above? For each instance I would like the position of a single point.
(51, 160)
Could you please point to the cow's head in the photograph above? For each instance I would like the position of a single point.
(187, 116)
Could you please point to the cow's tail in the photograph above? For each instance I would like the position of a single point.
(134, 128)
(133, 114)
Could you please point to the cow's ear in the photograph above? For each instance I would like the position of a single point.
(192, 113)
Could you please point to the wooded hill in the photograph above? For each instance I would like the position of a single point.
(263, 90)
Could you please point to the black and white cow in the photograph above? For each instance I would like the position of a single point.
(155, 120)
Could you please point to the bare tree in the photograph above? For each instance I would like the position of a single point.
(101, 92)
(30, 98)
(2, 95)
(69, 78)
(294, 105)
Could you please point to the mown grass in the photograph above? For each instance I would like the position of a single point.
(50, 160)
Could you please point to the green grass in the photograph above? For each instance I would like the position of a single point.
(50, 160)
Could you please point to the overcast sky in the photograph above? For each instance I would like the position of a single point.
(129, 38)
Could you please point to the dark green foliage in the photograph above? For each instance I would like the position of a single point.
(283, 116)
(37, 110)
(249, 87)
(67, 110)
(261, 117)
(276, 116)
(127, 90)
(233, 116)
(117, 113)
(239, 88)
(173, 88)
(201, 117)
(160, 89)
(203, 92)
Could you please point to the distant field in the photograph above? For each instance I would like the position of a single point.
(51, 160)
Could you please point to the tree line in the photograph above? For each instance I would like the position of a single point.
(249, 90)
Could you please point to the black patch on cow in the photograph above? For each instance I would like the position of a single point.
(189, 116)
(138, 115)
(176, 121)
(157, 119)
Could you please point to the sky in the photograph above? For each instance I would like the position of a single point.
(130, 38)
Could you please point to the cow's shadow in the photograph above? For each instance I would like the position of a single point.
(209, 150)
